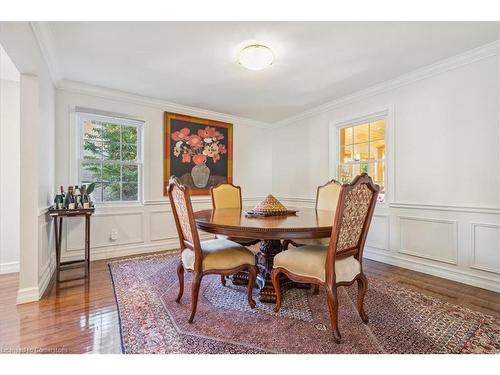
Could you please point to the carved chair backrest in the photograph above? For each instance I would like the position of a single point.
(328, 195)
(353, 216)
(182, 209)
(226, 195)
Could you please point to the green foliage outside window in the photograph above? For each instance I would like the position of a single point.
(110, 159)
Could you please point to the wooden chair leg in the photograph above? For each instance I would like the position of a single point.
(252, 276)
(223, 280)
(275, 278)
(194, 295)
(362, 288)
(333, 306)
(180, 274)
(316, 289)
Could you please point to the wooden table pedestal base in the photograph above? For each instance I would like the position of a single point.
(265, 258)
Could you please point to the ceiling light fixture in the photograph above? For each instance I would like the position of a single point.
(256, 57)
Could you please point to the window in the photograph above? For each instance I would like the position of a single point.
(362, 149)
(111, 156)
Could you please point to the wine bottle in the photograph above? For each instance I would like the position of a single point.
(63, 197)
(70, 199)
(58, 202)
(85, 197)
(78, 197)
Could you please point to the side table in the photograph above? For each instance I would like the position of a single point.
(58, 215)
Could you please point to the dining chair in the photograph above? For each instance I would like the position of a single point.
(339, 263)
(327, 197)
(218, 256)
(227, 195)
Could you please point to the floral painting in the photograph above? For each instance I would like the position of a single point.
(198, 151)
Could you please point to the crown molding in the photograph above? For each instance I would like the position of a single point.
(105, 93)
(43, 35)
(44, 38)
(454, 62)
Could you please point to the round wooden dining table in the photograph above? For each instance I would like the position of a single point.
(270, 231)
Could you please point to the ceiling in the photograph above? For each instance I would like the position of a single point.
(193, 63)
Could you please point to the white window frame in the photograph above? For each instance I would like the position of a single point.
(385, 113)
(81, 117)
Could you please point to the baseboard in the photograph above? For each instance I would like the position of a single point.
(10, 267)
(35, 293)
(28, 295)
(454, 274)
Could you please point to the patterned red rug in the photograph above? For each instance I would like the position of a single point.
(401, 321)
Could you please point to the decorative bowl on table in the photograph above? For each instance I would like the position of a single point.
(270, 206)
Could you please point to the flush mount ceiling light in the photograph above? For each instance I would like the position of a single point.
(256, 57)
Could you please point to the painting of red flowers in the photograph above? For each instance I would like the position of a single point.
(198, 151)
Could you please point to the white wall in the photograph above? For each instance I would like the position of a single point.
(442, 216)
(36, 157)
(9, 173)
(147, 227)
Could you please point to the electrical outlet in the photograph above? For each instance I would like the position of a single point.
(114, 234)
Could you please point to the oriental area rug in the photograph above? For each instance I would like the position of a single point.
(401, 320)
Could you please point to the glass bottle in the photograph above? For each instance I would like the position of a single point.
(85, 197)
(70, 199)
(78, 197)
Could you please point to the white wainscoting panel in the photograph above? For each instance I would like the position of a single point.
(162, 225)
(485, 246)
(129, 227)
(378, 235)
(429, 238)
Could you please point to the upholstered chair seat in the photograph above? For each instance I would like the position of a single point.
(219, 254)
(309, 261)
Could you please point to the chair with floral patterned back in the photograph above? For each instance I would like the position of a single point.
(217, 256)
(339, 263)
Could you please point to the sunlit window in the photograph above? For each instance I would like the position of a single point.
(362, 149)
(110, 156)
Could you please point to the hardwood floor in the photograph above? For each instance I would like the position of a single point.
(81, 317)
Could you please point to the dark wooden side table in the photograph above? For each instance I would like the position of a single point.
(58, 215)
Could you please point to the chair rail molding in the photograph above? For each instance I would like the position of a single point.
(451, 208)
